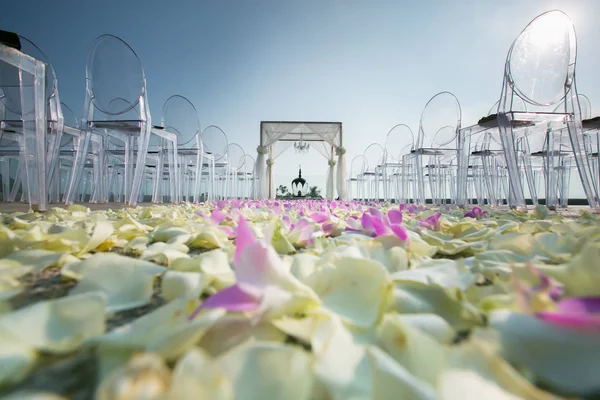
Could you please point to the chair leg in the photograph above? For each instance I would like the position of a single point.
(584, 169)
(35, 137)
(507, 137)
(83, 142)
(5, 172)
(199, 161)
(418, 175)
(173, 177)
(143, 143)
(529, 178)
(12, 197)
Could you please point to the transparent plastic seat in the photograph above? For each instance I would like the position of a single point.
(486, 164)
(438, 130)
(114, 71)
(398, 142)
(549, 168)
(248, 170)
(215, 149)
(235, 155)
(480, 145)
(591, 135)
(30, 116)
(372, 171)
(357, 165)
(540, 70)
(181, 117)
(119, 145)
(66, 154)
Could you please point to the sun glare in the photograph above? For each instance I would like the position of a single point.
(549, 29)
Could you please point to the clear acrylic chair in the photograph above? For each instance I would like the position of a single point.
(66, 153)
(215, 149)
(119, 146)
(441, 167)
(372, 171)
(249, 178)
(114, 71)
(479, 145)
(398, 141)
(591, 134)
(181, 117)
(235, 155)
(486, 164)
(29, 112)
(543, 168)
(438, 130)
(94, 163)
(548, 171)
(540, 69)
(355, 178)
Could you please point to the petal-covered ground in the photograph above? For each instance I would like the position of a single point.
(299, 300)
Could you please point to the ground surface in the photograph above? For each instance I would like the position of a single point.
(74, 375)
(22, 207)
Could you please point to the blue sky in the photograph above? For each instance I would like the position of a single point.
(368, 64)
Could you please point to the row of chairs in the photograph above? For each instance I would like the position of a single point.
(531, 140)
(538, 132)
(116, 151)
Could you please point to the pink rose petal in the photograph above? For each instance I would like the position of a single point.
(581, 305)
(228, 230)
(256, 265)
(375, 213)
(400, 232)
(584, 322)
(233, 298)
(217, 217)
(306, 233)
(366, 222)
(353, 224)
(287, 222)
(329, 229)
(395, 216)
(380, 227)
(245, 237)
(302, 223)
(319, 217)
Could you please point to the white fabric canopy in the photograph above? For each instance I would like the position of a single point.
(329, 134)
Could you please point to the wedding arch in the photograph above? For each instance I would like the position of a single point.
(278, 136)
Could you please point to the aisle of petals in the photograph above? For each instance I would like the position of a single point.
(302, 300)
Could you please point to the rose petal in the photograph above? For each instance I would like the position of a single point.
(234, 299)
(353, 224)
(399, 231)
(380, 228)
(395, 216)
(302, 223)
(375, 213)
(228, 230)
(256, 265)
(245, 237)
(584, 322)
(286, 221)
(366, 222)
(305, 233)
(329, 229)
(582, 305)
(217, 217)
(319, 217)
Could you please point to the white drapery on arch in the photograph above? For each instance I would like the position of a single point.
(325, 137)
